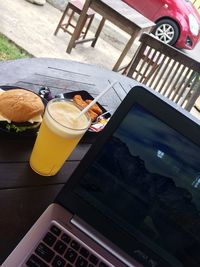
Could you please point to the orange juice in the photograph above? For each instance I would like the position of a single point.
(59, 134)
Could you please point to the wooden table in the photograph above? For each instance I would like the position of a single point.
(121, 15)
(24, 195)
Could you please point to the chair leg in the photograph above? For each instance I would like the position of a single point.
(69, 21)
(61, 20)
(88, 26)
(126, 68)
(77, 30)
(81, 31)
(98, 31)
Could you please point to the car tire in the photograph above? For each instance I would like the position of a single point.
(167, 31)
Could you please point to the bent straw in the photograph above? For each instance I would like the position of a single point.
(97, 98)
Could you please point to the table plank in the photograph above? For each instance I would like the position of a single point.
(19, 149)
(121, 15)
(22, 173)
(65, 76)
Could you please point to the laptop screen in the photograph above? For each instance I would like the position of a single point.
(146, 179)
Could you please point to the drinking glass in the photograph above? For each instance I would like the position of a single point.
(59, 133)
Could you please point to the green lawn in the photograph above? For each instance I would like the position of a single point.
(9, 51)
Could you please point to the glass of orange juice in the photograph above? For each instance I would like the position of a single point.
(59, 133)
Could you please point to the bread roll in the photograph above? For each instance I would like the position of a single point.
(20, 105)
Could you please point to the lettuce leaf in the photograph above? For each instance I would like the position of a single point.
(19, 129)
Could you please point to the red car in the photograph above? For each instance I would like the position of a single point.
(177, 21)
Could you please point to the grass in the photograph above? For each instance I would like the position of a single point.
(9, 51)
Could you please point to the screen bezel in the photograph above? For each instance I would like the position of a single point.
(166, 111)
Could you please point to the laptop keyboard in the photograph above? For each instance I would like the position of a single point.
(59, 249)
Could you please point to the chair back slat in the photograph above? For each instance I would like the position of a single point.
(170, 84)
(167, 83)
(184, 88)
(194, 92)
(176, 80)
(148, 64)
(161, 74)
(152, 76)
(155, 82)
(167, 70)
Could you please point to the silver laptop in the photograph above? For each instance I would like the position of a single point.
(133, 201)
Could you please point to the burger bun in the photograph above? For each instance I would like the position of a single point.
(20, 105)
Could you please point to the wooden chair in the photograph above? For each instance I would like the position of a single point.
(75, 7)
(150, 59)
(167, 70)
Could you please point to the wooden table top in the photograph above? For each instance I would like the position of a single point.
(118, 13)
(124, 10)
(24, 195)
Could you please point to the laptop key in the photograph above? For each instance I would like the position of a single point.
(93, 259)
(34, 261)
(60, 247)
(75, 245)
(49, 239)
(81, 262)
(70, 255)
(54, 229)
(84, 252)
(65, 238)
(44, 252)
(58, 262)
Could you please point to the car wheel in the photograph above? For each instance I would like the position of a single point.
(167, 31)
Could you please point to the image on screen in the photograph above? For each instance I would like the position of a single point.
(147, 179)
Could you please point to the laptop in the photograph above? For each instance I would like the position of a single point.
(134, 200)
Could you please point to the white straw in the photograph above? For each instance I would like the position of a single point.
(97, 98)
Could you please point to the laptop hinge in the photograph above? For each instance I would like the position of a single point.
(95, 236)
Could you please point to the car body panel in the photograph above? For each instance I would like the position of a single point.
(176, 10)
(141, 6)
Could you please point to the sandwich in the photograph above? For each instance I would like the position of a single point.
(20, 110)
